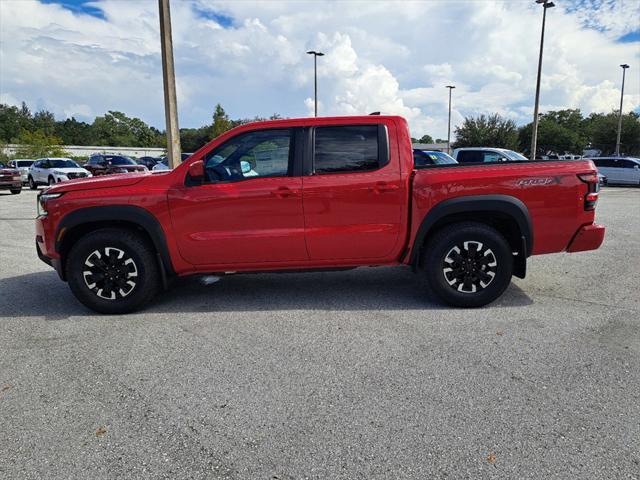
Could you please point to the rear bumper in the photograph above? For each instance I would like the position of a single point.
(589, 237)
(10, 185)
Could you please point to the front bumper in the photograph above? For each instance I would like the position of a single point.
(45, 248)
(52, 262)
(589, 237)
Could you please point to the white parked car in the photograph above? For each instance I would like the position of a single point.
(49, 171)
(619, 170)
(23, 165)
(486, 154)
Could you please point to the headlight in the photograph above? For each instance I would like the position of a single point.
(58, 172)
(43, 198)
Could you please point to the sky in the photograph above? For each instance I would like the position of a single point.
(82, 58)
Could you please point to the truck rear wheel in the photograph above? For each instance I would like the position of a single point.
(468, 264)
(112, 271)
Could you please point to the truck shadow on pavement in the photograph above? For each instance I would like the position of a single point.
(385, 288)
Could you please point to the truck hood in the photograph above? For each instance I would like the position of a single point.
(92, 183)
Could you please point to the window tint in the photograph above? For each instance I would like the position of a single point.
(2, 165)
(470, 156)
(421, 159)
(262, 153)
(24, 163)
(346, 149)
(118, 160)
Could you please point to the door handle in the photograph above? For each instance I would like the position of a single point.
(381, 187)
(284, 192)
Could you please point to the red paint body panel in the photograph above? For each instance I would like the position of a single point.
(333, 220)
(589, 237)
(552, 192)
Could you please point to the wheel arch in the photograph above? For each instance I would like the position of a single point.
(507, 214)
(85, 220)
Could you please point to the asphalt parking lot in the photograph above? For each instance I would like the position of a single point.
(326, 375)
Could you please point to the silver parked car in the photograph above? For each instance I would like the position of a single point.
(486, 154)
(23, 165)
(619, 170)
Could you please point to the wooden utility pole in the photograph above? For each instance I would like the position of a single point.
(169, 82)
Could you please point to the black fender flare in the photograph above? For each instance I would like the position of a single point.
(504, 204)
(120, 213)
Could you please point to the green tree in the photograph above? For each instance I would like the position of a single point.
(13, 121)
(116, 129)
(44, 121)
(602, 129)
(38, 144)
(487, 131)
(221, 122)
(73, 132)
(191, 139)
(425, 139)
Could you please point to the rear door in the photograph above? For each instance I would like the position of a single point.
(248, 212)
(352, 193)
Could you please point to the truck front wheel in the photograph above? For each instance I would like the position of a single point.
(467, 264)
(112, 271)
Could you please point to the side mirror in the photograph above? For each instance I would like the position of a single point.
(246, 167)
(196, 170)
(636, 167)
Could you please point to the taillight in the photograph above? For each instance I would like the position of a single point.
(593, 187)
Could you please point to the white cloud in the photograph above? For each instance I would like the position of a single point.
(395, 57)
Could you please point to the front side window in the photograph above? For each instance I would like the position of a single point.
(492, 157)
(344, 149)
(263, 153)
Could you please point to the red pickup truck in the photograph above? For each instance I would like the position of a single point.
(314, 194)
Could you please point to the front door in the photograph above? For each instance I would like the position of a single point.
(353, 198)
(248, 212)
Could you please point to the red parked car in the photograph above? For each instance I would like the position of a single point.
(10, 179)
(101, 164)
(315, 193)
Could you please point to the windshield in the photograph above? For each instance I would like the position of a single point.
(514, 155)
(118, 160)
(441, 158)
(56, 163)
(24, 163)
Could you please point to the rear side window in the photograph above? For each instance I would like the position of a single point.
(470, 156)
(627, 163)
(350, 148)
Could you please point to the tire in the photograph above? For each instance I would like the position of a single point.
(15, 191)
(32, 184)
(123, 254)
(467, 264)
(52, 181)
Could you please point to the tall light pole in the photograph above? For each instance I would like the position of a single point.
(315, 77)
(169, 83)
(624, 70)
(534, 133)
(450, 87)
